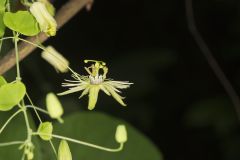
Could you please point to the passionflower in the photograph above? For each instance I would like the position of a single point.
(45, 20)
(95, 82)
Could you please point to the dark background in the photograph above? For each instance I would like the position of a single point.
(176, 100)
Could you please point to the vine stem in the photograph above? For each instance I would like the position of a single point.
(11, 143)
(9, 120)
(39, 118)
(82, 142)
(210, 58)
(17, 56)
(37, 108)
(42, 48)
(71, 8)
(29, 130)
(34, 108)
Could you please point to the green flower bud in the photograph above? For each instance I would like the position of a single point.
(57, 60)
(49, 6)
(30, 156)
(28, 151)
(45, 130)
(121, 134)
(64, 152)
(54, 106)
(45, 20)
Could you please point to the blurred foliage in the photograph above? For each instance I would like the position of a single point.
(216, 113)
(96, 128)
(16, 131)
(99, 128)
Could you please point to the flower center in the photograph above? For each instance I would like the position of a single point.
(96, 79)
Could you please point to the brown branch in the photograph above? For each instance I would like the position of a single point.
(64, 14)
(231, 92)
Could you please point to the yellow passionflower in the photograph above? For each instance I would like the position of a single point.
(94, 82)
(45, 20)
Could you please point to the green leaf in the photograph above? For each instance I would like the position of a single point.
(2, 26)
(3, 3)
(2, 11)
(16, 131)
(22, 22)
(2, 81)
(45, 130)
(11, 94)
(100, 129)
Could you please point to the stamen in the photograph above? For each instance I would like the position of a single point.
(96, 79)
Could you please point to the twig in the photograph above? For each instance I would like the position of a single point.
(70, 9)
(210, 58)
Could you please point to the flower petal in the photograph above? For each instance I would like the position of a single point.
(84, 92)
(119, 84)
(111, 86)
(93, 96)
(104, 90)
(72, 90)
(73, 84)
(116, 96)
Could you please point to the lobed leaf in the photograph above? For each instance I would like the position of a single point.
(2, 81)
(11, 94)
(2, 10)
(22, 22)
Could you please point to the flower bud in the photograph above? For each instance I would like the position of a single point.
(54, 106)
(45, 130)
(49, 6)
(121, 134)
(45, 20)
(53, 57)
(30, 156)
(64, 152)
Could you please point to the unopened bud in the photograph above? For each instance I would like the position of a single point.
(30, 156)
(49, 6)
(54, 106)
(64, 152)
(45, 130)
(121, 134)
(57, 60)
(45, 20)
